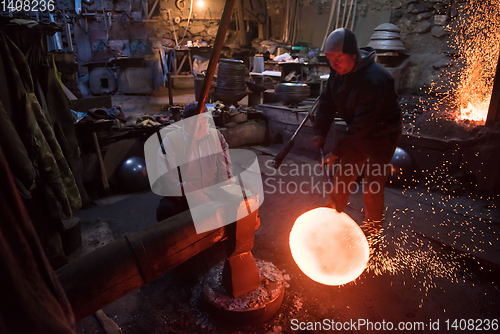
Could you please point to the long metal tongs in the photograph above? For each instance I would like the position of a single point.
(288, 146)
(326, 169)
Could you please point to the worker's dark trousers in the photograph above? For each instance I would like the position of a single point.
(376, 172)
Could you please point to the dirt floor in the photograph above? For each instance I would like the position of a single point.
(429, 282)
(419, 285)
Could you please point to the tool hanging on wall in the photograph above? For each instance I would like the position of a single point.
(180, 4)
(68, 34)
(67, 31)
(86, 15)
(169, 12)
(105, 23)
(56, 39)
(78, 7)
(108, 15)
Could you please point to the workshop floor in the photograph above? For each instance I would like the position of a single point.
(430, 281)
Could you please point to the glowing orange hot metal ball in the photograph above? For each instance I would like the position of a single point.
(328, 246)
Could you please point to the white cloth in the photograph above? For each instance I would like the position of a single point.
(207, 164)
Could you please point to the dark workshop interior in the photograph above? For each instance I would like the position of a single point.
(89, 89)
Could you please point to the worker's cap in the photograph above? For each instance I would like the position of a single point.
(342, 40)
(191, 109)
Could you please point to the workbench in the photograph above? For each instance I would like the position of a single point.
(177, 57)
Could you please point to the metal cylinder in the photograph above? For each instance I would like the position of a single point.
(231, 86)
(387, 37)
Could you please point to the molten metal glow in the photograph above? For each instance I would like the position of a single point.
(478, 39)
(476, 113)
(328, 246)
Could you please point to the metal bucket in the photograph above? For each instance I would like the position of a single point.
(231, 81)
(289, 93)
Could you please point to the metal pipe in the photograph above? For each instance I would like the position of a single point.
(287, 21)
(338, 14)
(214, 58)
(212, 65)
(348, 15)
(332, 10)
(170, 88)
(241, 22)
(288, 146)
(343, 14)
(354, 15)
(70, 40)
(116, 269)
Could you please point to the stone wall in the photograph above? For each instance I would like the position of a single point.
(425, 29)
(121, 27)
(203, 23)
(426, 26)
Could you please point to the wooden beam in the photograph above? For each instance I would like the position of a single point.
(116, 269)
(152, 9)
(241, 22)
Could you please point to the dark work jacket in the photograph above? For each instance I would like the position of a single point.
(33, 150)
(366, 100)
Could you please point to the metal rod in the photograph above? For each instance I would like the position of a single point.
(343, 14)
(288, 146)
(70, 40)
(287, 21)
(354, 14)
(338, 14)
(332, 10)
(241, 22)
(349, 15)
(217, 48)
(170, 87)
(214, 58)
(295, 23)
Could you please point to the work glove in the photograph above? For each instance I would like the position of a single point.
(319, 142)
(329, 160)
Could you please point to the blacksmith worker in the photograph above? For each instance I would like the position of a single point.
(209, 163)
(362, 93)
